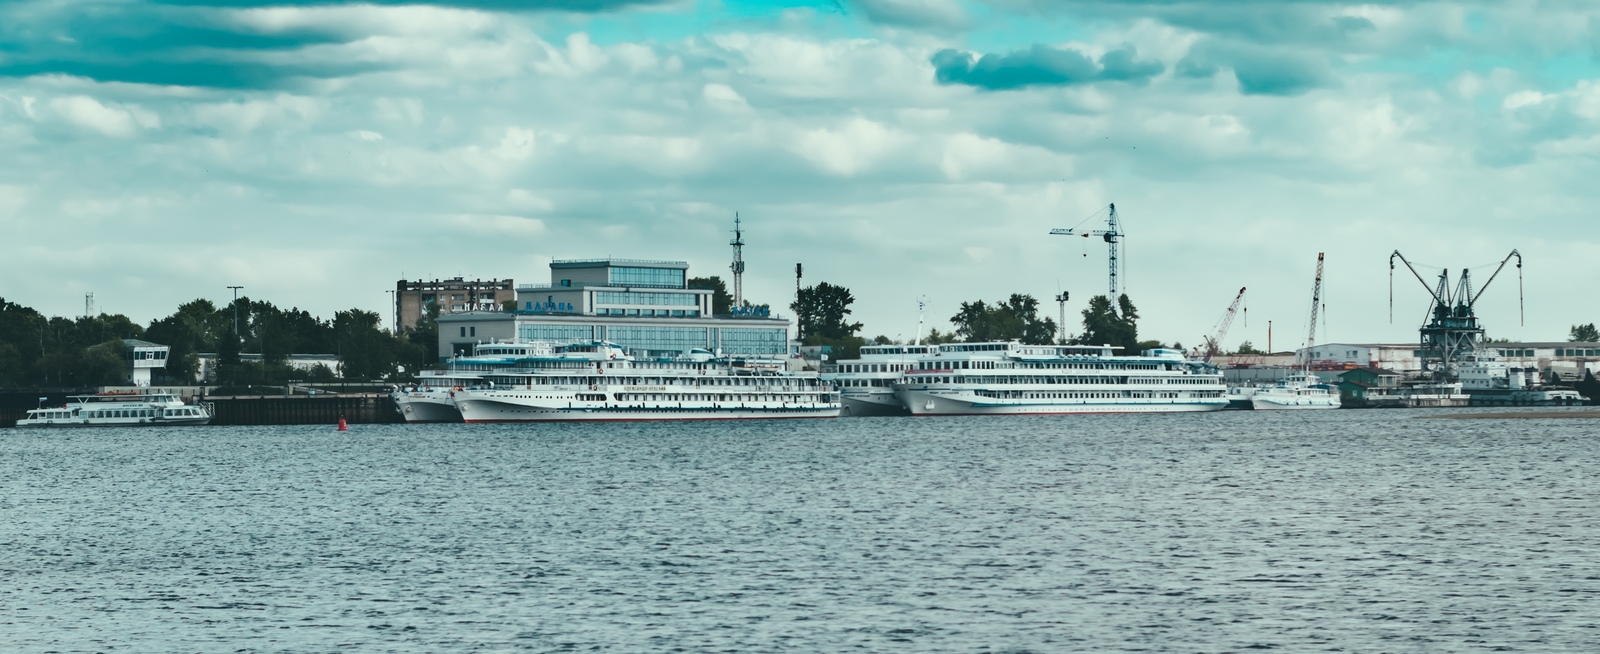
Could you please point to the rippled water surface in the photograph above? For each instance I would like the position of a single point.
(1359, 531)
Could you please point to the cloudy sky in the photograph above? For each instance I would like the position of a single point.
(315, 152)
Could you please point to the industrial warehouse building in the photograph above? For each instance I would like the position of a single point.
(643, 305)
(1567, 360)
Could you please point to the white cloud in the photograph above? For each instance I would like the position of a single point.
(88, 112)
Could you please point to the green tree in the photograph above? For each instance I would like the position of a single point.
(367, 352)
(1247, 348)
(721, 301)
(1017, 318)
(936, 337)
(823, 311)
(1584, 334)
(104, 365)
(1103, 324)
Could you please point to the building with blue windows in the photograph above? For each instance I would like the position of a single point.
(643, 305)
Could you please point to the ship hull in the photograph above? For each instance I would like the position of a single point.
(873, 405)
(1260, 403)
(427, 409)
(930, 403)
(479, 411)
(79, 423)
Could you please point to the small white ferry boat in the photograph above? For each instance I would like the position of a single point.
(866, 384)
(600, 382)
(1299, 391)
(120, 409)
(1013, 378)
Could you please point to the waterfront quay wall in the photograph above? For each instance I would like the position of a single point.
(355, 408)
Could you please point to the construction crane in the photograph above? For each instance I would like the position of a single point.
(1452, 328)
(1112, 235)
(1213, 343)
(1316, 304)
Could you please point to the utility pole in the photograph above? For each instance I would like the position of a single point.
(235, 310)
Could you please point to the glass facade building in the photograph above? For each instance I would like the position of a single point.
(659, 339)
(648, 277)
(755, 340)
(649, 299)
(556, 333)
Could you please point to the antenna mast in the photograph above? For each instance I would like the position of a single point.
(738, 262)
(88, 304)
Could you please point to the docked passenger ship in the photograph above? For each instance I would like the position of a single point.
(599, 382)
(1013, 378)
(866, 384)
(120, 409)
(429, 400)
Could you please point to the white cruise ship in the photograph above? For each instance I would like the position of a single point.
(429, 399)
(1013, 378)
(120, 409)
(599, 382)
(1299, 391)
(866, 384)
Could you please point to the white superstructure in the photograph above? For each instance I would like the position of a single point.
(1013, 378)
(866, 384)
(599, 382)
(120, 409)
(1302, 390)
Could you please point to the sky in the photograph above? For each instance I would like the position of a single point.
(315, 152)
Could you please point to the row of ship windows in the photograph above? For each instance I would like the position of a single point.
(995, 365)
(782, 382)
(1057, 381)
(874, 367)
(1031, 395)
(682, 397)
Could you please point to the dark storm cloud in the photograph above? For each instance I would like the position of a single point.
(1041, 65)
(190, 42)
(149, 44)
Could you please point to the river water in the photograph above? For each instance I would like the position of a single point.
(1358, 531)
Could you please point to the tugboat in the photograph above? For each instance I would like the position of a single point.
(121, 409)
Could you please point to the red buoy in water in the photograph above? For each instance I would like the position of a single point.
(342, 426)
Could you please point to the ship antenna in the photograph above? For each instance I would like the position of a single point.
(922, 303)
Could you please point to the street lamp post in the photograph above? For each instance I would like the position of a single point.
(235, 310)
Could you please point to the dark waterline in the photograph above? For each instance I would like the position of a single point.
(1359, 531)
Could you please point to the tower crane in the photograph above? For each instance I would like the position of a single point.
(1316, 304)
(1112, 235)
(1213, 343)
